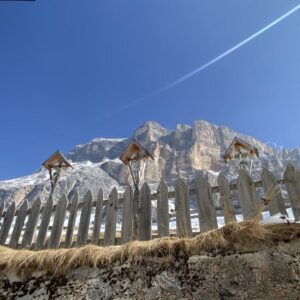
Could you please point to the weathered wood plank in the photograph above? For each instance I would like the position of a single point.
(71, 221)
(31, 223)
(85, 217)
(98, 218)
(269, 182)
(292, 181)
(247, 195)
(226, 199)
(40, 241)
(136, 200)
(9, 216)
(127, 216)
(206, 208)
(145, 213)
(162, 210)
(182, 208)
(15, 236)
(1, 209)
(111, 217)
(58, 223)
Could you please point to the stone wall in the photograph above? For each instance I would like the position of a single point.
(272, 273)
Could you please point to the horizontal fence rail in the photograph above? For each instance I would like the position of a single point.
(118, 220)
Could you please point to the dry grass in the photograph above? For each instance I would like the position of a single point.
(243, 235)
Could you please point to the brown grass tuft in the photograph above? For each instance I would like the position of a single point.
(243, 235)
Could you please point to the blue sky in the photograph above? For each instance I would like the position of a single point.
(67, 66)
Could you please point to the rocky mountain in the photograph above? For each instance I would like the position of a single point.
(185, 151)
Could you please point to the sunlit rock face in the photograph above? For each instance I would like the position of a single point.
(184, 151)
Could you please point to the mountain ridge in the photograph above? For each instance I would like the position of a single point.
(187, 150)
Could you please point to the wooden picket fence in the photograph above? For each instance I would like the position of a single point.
(31, 227)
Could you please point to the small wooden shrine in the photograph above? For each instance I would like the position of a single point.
(54, 164)
(239, 149)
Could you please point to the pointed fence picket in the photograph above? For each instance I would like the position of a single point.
(137, 213)
(226, 199)
(71, 221)
(83, 229)
(111, 217)
(247, 195)
(41, 238)
(163, 222)
(8, 218)
(58, 223)
(182, 208)
(145, 214)
(127, 216)
(14, 239)
(98, 218)
(270, 184)
(31, 224)
(206, 209)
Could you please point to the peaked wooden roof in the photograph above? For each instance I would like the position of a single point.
(236, 146)
(135, 151)
(55, 160)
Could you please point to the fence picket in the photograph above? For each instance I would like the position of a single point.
(127, 216)
(206, 208)
(40, 241)
(15, 236)
(247, 195)
(31, 223)
(269, 183)
(162, 210)
(182, 207)
(145, 213)
(98, 218)
(226, 199)
(1, 208)
(85, 217)
(58, 222)
(292, 181)
(111, 217)
(71, 222)
(9, 216)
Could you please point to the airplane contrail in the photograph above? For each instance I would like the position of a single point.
(209, 63)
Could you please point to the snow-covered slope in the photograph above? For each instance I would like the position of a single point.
(187, 150)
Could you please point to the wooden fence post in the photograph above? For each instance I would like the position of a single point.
(1, 209)
(247, 195)
(98, 218)
(292, 181)
(58, 222)
(71, 223)
(85, 217)
(8, 218)
(127, 216)
(162, 210)
(226, 199)
(182, 207)
(136, 199)
(111, 217)
(15, 236)
(145, 214)
(206, 208)
(40, 241)
(31, 223)
(269, 183)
